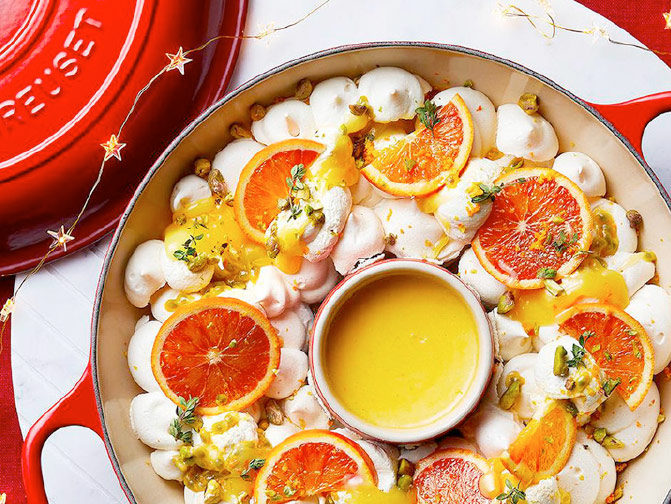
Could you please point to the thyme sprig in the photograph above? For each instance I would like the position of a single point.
(513, 494)
(489, 192)
(295, 183)
(180, 427)
(564, 242)
(580, 351)
(188, 248)
(428, 115)
(254, 465)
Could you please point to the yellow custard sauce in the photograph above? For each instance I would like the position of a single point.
(591, 282)
(402, 351)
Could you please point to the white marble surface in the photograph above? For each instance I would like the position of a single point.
(50, 337)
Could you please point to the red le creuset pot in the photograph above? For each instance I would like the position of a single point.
(69, 72)
(611, 134)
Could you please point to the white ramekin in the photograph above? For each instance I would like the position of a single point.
(330, 307)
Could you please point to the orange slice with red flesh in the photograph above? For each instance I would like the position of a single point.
(539, 228)
(619, 345)
(263, 182)
(544, 446)
(221, 350)
(423, 161)
(312, 463)
(450, 476)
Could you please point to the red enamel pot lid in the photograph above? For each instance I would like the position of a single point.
(69, 72)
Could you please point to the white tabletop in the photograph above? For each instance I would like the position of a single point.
(50, 333)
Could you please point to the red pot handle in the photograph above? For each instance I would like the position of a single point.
(631, 117)
(77, 407)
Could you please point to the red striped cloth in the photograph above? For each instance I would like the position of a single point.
(10, 434)
(643, 19)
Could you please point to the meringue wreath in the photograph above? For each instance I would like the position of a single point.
(343, 174)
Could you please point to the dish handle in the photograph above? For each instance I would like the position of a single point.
(631, 117)
(77, 407)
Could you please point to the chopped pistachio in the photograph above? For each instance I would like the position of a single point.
(274, 412)
(468, 83)
(358, 109)
(198, 263)
(511, 394)
(216, 182)
(529, 103)
(405, 467)
(201, 167)
(390, 239)
(560, 367)
(635, 220)
(612, 442)
(506, 303)
(553, 287)
(404, 482)
(239, 131)
(569, 383)
(609, 385)
(599, 435)
(257, 112)
(272, 247)
(303, 89)
(572, 409)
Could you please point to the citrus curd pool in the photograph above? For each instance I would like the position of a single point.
(401, 351)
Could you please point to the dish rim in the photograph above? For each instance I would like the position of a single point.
(248, 85)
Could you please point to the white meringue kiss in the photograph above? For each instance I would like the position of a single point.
(189, 189)
(337, 202)
(362, 237)
(475, 276)
(139, 355)
(626, 235)
(303, 410)
(144, 274)
(150, 417)
(415, 232)
(272, 292)
(531, 396)
(635, 429)
(330, 101)
(285, 120)
(651, 307)
(524, 135)
(512, 339)
(181, 278)
(291, 374)
(163, 464)
(313, 280)
(583, 171)
(293, 326)
(392, 93)
(232, 159)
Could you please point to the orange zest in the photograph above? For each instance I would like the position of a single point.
(423, 161)
(450, 476)
(539, 228)
(221, 350)
(619, 345)
(543, 447)
(312, 463)
(263, 182)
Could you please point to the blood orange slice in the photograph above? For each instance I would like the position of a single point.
(263, 182)
(450, 476)
(619, 345)
(312, 463)
(544, 446)
(422, 162)
(221, 350)
(538, 229)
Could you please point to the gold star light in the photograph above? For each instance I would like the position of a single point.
(177, 61)
(113, 148)
(6, 311)
(667, 20)
(61, 238)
